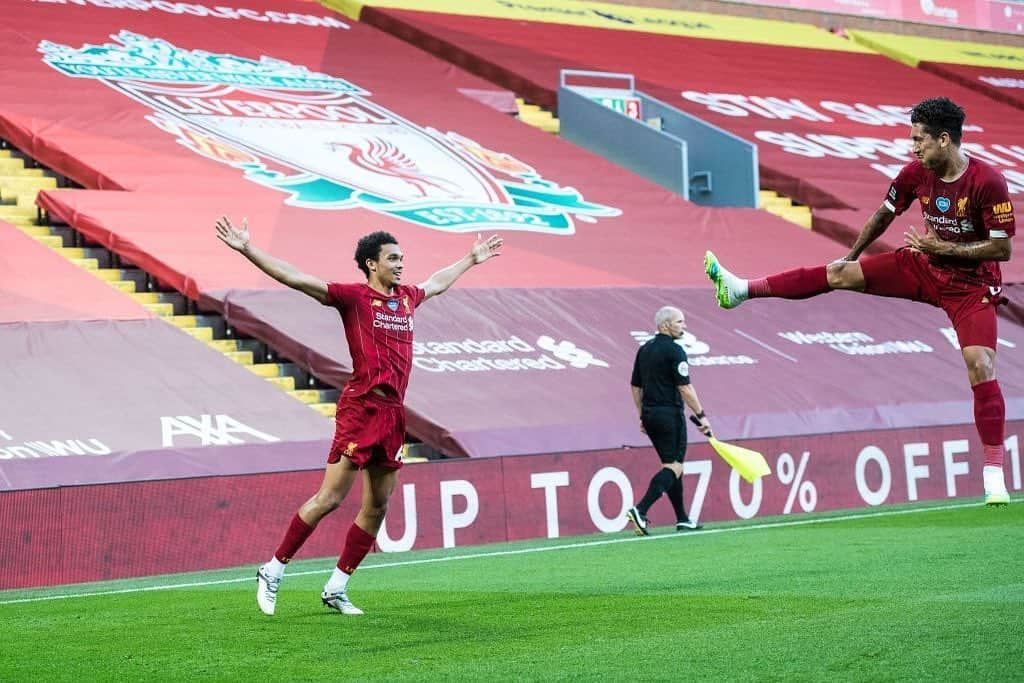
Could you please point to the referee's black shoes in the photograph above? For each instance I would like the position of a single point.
(639, 522)
(689, 525)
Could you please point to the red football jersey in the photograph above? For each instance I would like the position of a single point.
(974, 207)
(379, 331)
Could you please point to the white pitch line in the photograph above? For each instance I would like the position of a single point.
(764, 345)
(519, 551)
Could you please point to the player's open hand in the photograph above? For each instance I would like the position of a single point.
(232, 236)
(484, 249)
(926, 242)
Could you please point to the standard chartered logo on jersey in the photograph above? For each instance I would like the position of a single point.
(511, 354)
(322, 140)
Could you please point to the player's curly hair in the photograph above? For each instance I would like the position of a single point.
(369, 246)
(939, 115)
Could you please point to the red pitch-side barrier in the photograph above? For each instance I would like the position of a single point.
(77, 534)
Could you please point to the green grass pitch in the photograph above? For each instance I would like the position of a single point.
(893, 594)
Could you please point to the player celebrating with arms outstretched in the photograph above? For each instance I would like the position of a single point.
(370, 421)
(953, 263)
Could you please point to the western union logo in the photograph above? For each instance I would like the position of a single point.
(1004, 207)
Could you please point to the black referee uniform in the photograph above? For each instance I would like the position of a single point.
(659, 370)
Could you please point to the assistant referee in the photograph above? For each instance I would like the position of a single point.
(661, 385)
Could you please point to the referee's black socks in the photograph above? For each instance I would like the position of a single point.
(660, 483)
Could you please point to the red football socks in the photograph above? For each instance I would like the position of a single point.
(990, 419)
(298, 532)
(799, 283)
(357, 545)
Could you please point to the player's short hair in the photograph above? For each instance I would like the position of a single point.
(664, 314)
(369, 246)
(940, 115)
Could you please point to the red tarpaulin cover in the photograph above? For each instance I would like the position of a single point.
(1003, 85)
(508, 371)
(828, 135)
(322, 134)
(107, 388)
(37, 283)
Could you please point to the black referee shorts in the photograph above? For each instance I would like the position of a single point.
(667, 430)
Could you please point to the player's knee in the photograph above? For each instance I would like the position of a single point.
(980, 368)
(376, 509)
(844, 275)
(327, 501)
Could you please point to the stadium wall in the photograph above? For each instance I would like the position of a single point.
(86, 533)
(833, 21)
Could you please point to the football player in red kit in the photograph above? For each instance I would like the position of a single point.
(370, 424)
(953, 263)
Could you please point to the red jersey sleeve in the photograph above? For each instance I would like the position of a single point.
(341, 295)
(903, 190)
(416, 295)
(996, 208)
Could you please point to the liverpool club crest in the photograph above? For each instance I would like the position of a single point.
(323, 141)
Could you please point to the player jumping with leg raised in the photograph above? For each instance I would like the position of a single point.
(953, 263)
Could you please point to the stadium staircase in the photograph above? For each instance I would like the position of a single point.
(774, 203)
(537, 117)
(20, 182)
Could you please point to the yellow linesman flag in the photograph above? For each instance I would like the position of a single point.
(750, 464)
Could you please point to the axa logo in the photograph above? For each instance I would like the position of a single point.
(323, 141)
(209, 430)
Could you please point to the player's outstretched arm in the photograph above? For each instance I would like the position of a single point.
(482, 250)
(872, 230)
(283, 272)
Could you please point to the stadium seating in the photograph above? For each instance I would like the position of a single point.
(996, 71)
(321, 131)
(828, 137)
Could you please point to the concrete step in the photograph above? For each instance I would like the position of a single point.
(201, 333)
(268, 370)
(34, 230)
(223, 345)
(52, 241)
(71, 252)
(286, 383)
(306, 395)
(11, 165)
(325, 409)
(87, 263)
(161, 309)
(800, 215)
(109, 274)
(12, 211)
(126, 286)
(144, 297)
(240, 357)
